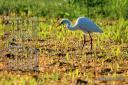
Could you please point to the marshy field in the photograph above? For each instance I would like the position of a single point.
(34, 51)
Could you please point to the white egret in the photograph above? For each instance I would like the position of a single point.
(84, 24)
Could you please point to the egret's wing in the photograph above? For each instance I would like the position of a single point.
(87, 25)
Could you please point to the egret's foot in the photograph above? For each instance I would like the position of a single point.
(89, 53)
(87, 41)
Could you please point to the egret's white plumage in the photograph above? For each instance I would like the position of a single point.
(84, 24)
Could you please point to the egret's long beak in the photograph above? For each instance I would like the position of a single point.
(58, 24)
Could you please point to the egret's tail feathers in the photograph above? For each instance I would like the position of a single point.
(100, 31)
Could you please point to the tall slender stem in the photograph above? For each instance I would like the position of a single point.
(91, 40)
(84, 40)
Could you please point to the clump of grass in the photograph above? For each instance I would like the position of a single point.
(96, 8)
(117, 32)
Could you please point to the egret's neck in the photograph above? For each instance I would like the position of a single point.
(69, 25)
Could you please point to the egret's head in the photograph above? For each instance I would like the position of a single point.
(63, 21)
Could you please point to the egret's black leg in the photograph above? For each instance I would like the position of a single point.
(83, 42)
(91, 40)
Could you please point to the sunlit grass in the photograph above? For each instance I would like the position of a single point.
(61, 61)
